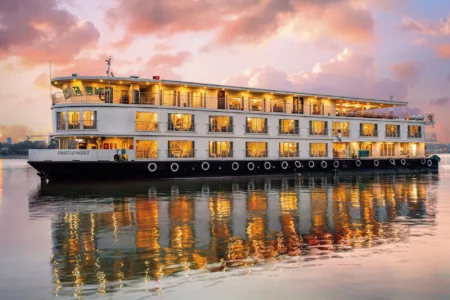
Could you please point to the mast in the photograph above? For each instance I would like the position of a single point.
(108, 73)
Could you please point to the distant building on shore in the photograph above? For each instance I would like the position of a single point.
(9, 140)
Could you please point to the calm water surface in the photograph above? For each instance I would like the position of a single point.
(366, 237)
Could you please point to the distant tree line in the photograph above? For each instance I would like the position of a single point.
(21, 148)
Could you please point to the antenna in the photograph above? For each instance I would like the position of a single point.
(50, 79)
(112, 74)
(108, 62)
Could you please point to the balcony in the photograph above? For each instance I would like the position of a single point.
(175, 153)
(415, 135)
(256, 129)
(368, 133)
(318, 132)
(147, 126)
(344, 132)
(80, 125)
(390, 134)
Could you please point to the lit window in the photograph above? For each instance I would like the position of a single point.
(318, 128)
(89, 119)
(367, 129)
(256, 149)
(256, 125)
(288, 126)
(181, 149)
(288, 149)
(220, 149)
(181, 122)
(387, 149)
(342, 128)
(73, 119)
(76, 91)
(146, 149)
(220, 124)
(60, 120)
(146, 121)
(89, 90)
(414, 131)
(318, 149)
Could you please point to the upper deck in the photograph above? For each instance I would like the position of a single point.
(136, 91)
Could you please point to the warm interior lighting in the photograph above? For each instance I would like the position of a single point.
(120, 82)
(148, 83)
(101, 80)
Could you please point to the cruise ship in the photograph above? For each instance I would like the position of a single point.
(134, 128)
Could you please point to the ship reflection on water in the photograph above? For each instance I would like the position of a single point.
(105, 237)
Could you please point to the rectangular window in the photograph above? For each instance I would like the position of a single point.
(146, 149)
(181, 122)
(368, 129)
(256, 125)
(342, 128)
(318, 149)
(288, 126)
(365, 149)
(387, 149)
(168, 98)
(73, 120)
(404, 149)
(197, 100)
(99, 90)
(220, 124)
(256, 149)
(146, 121)
(235, 102)
(415, 131)
(181, 149)
(60, 120)
(89, 119)
(257, 105)
(392, 130)
(89, 90)
(318, 127)
(288, 149)
(297, 107)
(220, 149)
(76, 91)
(277, 105)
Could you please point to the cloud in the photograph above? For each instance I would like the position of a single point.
(440, 101)
(42, 81)
(237, 21)
(162, 47)
(38, 31)
(405, 70)
(169, 59)
(428, 27)
(347, 74)
(443, 51)
(16, 132)
(125, 42)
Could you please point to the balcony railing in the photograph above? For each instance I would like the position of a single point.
(221, 154)
(189, 126)
(318, 154)
(147, 126)
(219, 128)
(368, 133)
(80, 125)
(147, 154)
(256, 129)
(343, 132)
(289, 153)
(318, 132)
(175, 153)
(292, 130)
(415, 135)
(392, 134)
(257, 153)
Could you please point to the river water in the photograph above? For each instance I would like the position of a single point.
(345, 237)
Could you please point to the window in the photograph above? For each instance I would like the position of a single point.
(318, 149)
(387, 149)
(99, 90)
(341, 127)
(220, 149)
(181, 149)
(168, 98)
(415, 131)
(76, 91)
(181, 122)
(197, 100)
(220, 124)
(288, 149)
(146, 121)
(297, 107)
(89, 90)
(60, 120)
(365, 149)
(404, 149)
(288, 126)
(257, 105)
(277, 105)
(316, 107)
(256, 125)
(392, 130)
(73, 119)
(366, 129)
(235, 102)
(89, 119)
(256, 149)
(318, 128)
(146, 149)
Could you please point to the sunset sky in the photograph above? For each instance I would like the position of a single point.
(366, 48)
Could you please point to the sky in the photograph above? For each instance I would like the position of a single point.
(356, 48)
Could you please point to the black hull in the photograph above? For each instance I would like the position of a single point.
(85, 171)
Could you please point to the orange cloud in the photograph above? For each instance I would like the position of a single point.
(428, 27)
(16, 132)
(405, 70)
(170, 60)
(38, 31)
(443, 51)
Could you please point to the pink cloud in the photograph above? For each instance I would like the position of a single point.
(405, 70)
(170, 60)
(428, 27)
(162, 47)
(443, 51)
(125, 42)
(37, 31)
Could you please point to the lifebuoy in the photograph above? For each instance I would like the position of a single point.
(152, 167)
(423, 161)
(205, 166)
(235, 166)
(311, 164)
(430, 118)
(174, 167)
(376, 162)
(392, 161)
(251, 166)
(403, 161)
(429, 163)
(298, 164)
(336, 164)
(284, 165)
(324, 164)
(102, 96)
(358, 163)
(267, 165)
